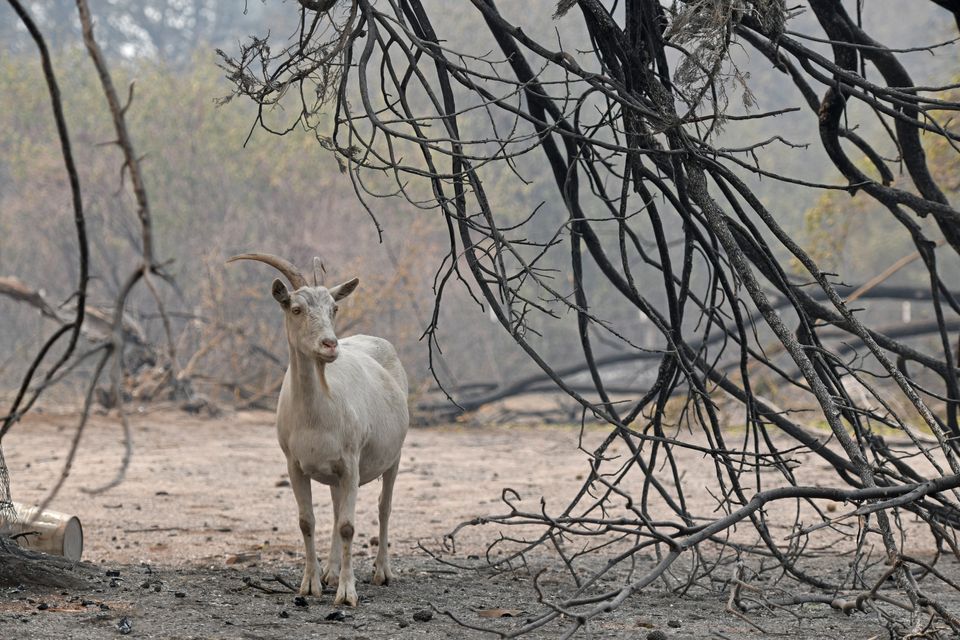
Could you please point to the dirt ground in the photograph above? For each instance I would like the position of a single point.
(199, 539)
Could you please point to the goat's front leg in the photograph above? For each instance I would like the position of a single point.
(381, 566)
(349, 485)
(300, 483)
(331, 573)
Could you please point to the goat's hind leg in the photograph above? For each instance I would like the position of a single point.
(300, 483)
(331, 573)
(381, 566)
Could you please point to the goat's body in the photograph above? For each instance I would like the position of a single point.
(343, 425)
(341, 420)
(363, 412)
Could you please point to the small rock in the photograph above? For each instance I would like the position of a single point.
(86, 603)
(424, 615)
(300, 601)
(43, 606)
(282, 483)
(673, 624)
(403, 624)
(104, 607)
(656, 635)
(124, 626)
(162, 493)
(113, 573)
(145, 584)
(157, 587)
(375, 541)
(283, 613)
(179, 594)
(336, 616)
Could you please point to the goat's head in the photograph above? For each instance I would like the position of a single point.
(309, 310)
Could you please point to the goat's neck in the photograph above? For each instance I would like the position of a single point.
(307, 374)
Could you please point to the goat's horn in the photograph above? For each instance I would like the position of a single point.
(319, 272)
(283, 266)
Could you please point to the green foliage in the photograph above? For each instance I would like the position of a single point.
(941, 154)
(208, 193)
(858, 236)
(210, 197)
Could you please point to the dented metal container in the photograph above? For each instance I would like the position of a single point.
(49, 531)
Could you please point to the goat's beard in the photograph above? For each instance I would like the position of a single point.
(322, 371)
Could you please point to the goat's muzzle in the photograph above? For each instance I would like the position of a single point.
(328, 350)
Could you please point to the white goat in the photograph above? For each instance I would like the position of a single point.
(341, 420)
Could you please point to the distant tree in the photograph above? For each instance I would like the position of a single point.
(165, 30)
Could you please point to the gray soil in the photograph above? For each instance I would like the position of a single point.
(201, 539)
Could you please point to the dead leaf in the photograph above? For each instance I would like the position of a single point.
(499, 613)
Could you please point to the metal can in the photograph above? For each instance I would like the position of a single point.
(48, 531)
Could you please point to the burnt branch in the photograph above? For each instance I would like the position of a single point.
(693, 307)
(110, 331)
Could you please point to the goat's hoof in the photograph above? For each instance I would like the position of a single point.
(347, 597)
(311, 584)
(330, 578)
(382, 577)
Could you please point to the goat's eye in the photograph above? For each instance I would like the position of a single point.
(335, 309)
(296, 311)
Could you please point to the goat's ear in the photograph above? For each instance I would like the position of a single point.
(280, 293)
(341, 291)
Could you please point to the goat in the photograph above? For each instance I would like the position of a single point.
(341, 420)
